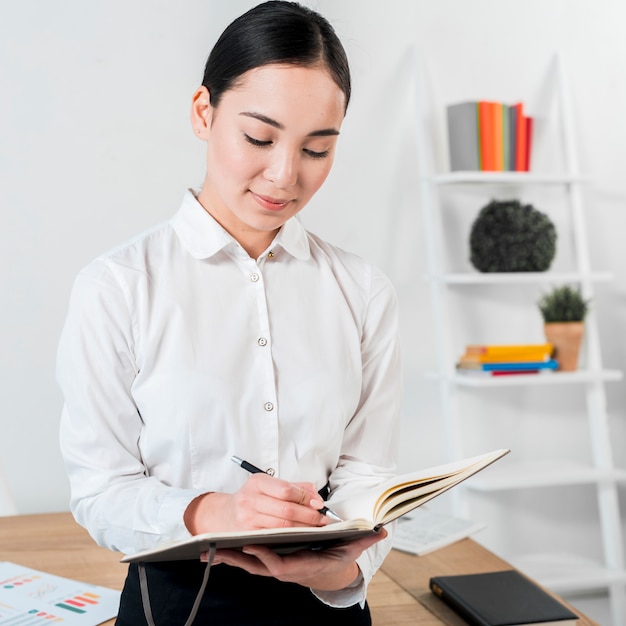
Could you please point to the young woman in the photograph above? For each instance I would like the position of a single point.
(231, 330)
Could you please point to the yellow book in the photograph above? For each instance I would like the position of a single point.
(509, 350)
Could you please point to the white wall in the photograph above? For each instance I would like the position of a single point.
(95, 146)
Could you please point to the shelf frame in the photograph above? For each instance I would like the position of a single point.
(519, 278)
(604, 476)
(506, 178)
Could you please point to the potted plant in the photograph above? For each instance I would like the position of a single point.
(563, 310)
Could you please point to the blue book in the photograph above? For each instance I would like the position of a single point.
(511, 366)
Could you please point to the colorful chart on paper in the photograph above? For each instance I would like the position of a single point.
(32, 598)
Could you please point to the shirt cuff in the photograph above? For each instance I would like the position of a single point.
(346, 597)
(171, 513)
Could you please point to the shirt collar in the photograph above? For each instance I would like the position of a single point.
(292, 237)
(203, 237)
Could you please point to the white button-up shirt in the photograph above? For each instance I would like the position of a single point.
(179, 351)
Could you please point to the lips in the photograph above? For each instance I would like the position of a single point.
(269, 203)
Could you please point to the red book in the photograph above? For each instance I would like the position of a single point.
(486, 133)
(520, 139)
(529, 136)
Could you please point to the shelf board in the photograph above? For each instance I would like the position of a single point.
(543, 474)
(566, 573)
(516, 278)
(525, 178)
(544, 378)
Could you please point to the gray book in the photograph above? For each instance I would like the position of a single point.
(463, 136)
(513, 138)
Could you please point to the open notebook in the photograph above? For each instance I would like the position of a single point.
(364, 514)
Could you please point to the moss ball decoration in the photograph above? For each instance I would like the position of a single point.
(508, 236)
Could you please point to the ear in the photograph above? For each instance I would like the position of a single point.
(201, 112)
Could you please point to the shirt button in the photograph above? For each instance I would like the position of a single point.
(270, 471)
(254, 277)
(268, 406)
(262, 341)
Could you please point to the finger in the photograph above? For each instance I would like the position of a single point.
(287, 503)
(310, 488)
(266, 558)
(248, 562)
(280, 514)
(303, 494)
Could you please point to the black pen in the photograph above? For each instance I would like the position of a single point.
(253, 469)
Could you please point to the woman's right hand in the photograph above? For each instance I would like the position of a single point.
(263, 502)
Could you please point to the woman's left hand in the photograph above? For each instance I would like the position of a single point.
(326, 570)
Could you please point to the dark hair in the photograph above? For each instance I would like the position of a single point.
(275, 32)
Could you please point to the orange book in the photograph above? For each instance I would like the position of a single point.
(506, 357)
(486, 134)
(529, 136)
(521, 139)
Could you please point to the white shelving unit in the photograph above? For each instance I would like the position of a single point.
(562, 573)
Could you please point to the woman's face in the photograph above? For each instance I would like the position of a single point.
(271, 142)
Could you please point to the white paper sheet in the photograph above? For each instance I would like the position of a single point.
(32, 598)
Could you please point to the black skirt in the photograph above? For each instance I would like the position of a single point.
(232, 597)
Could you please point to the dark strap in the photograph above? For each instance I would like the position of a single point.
(145, 596)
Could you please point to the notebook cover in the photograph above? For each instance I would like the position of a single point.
(503, 598)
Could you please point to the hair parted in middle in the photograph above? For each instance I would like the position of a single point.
(275, 32)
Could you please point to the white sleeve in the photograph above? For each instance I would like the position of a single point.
(111, 493)
(370, 443)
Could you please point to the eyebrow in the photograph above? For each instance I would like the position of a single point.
(323, 132)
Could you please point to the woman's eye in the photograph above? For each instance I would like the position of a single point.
(316, 155)
(256, 142)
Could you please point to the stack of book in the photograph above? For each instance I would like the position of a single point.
(489, 136)
(499, 360)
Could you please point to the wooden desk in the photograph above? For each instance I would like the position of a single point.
(54, 543)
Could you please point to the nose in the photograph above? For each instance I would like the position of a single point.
(282, 170)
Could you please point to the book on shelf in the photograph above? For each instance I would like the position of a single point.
(499, 358)
(504, 598)
(506, 137)
(519, 366)
(529, 143)
(463, 136)
(489, 136)
(509, 349)
(507, 359)
(520, 132)
(422, 531)
(512, 113)
(495, 373)
(363, 514)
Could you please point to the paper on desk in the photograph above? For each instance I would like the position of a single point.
(422, 531)
(32, 598)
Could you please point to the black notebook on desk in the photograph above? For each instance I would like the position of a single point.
(504, 598)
